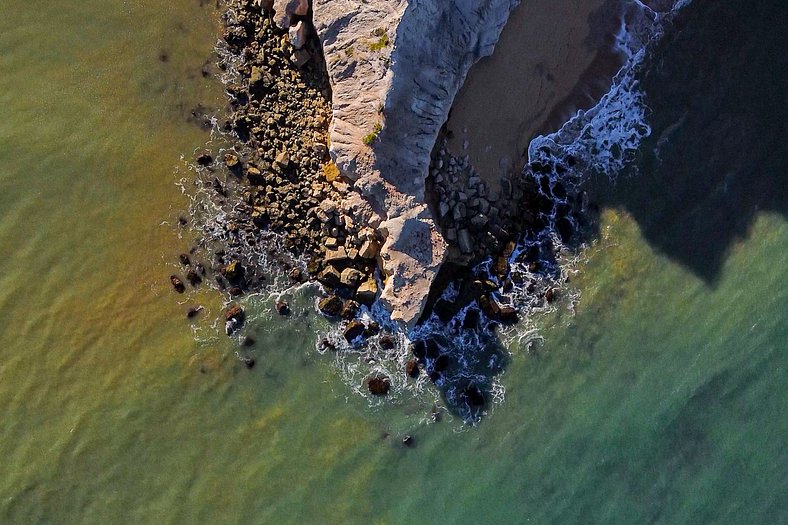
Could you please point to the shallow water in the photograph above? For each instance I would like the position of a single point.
(661, 400)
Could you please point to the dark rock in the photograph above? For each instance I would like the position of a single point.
(387, 342)
(330, 277)
(412, 368)
(204, 160)
(177, 284)
(182, 221)
(474, 396)
(193, 278)
(373, 329)
(233, 271)
(441, 363)
(508, 315)
(489, 306)
(296, 275)
(331, 306)
(248, 341)
(419, 349)
(248, 361)
(193, 311)
(349, 310)
(282, 308)
(550, 295)
(184, 259)
(378, 385)
(234, 318)
(328, 345)
(235, 291)
(408, 441)
(354, 329)
(471, 320)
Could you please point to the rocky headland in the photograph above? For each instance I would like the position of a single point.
(341, 167)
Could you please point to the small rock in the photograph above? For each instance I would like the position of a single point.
(408, 441)
(193, 311)
(231, 160)
(234, 318)
(379, 385)
(248, 361)
(330, 277)
(177, 284)
(184, 259)
(282, 308)
(282, 159)
(248, 341)
(204, 160)
(412, 368)
(387, 342)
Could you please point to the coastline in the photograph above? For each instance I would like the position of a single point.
(492, 255)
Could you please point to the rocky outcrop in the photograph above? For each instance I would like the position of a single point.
(395, 68)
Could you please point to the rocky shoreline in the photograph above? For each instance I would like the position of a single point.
(281, 203)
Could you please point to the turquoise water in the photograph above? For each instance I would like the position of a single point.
(660, 400)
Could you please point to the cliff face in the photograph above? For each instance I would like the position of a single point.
(395, 67)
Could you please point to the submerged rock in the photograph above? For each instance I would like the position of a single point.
(379, 385)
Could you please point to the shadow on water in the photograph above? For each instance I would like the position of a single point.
(718, 98)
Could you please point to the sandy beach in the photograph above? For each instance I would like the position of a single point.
(548, 63)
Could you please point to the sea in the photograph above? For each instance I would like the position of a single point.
(654, 392)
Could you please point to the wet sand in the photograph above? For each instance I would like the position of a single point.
(547, 64)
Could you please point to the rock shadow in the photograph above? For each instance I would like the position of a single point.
(715, 158)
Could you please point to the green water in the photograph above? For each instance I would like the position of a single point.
(661, 400)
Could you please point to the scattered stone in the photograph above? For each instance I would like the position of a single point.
(379, 385)
(177, 284)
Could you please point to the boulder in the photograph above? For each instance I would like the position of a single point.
(367, 292)
(349, 310)
(353, 330)
(369, 249)
(465, 241)
(412, 368)
(378, 385)
(331, 306)
(351, 277)
(330, 277)
(298, 35)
